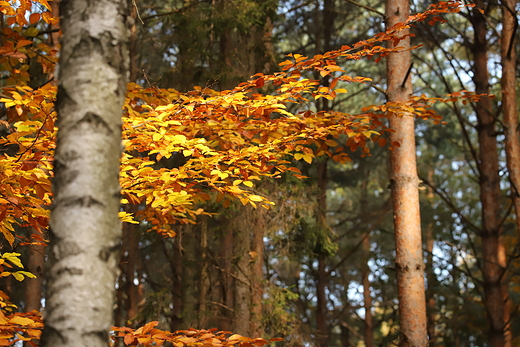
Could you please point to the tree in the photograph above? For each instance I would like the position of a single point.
(493, 251)
(85, 228)
(405, 191)
(220, 144)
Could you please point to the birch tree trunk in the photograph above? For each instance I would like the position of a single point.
(405, 194)
(85, 229)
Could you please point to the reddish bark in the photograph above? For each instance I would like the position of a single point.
(509, 109)
(405, 195)
(33, 286)
(509, 105)
(257, 273)
(493, 253)
(132, 45)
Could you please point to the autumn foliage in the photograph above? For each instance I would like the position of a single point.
(183, 149)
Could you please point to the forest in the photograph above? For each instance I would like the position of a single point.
(317, 173)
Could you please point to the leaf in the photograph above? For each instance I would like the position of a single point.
(255, 198)
(31, 32)
(331, 143)
(23, 43)
(34, 18)
(129, 339)
(26, 274)
(308, 158)
(13, 258)
(21, 321)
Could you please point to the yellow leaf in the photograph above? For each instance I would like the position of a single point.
(331, 143)
(248, 183)
(21, 320)
(19, 277)
(32, 31)
(341, 90)
(323, 89)
(307, 158)
(324, 73)
(255, 198)
(298, 156)
(13, 259)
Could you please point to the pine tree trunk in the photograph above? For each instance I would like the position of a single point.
(226, 295)
(85, 229)
(190, 276)
(405, 194)
(257, 272)
(242, 273)
(493, 253)
(365, 272)
(367, 299)
(430, 275)
(322, 333)
(204, 274)
(34, 286)
(510, 110)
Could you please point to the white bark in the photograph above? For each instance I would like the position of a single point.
(85, 230)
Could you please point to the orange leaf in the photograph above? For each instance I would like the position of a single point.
(34, 18)
(129, 339)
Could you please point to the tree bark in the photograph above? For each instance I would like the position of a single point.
(493, 252)
(322, 329)
(405, 194)
(510, 111)
(430, 275)
(204, 274)
(131, 267)
(257, 271)
(85, 230)
(242, 274)
(227, 296)
(509, 105)
(34, 286)
(367, 299)
(368, 332)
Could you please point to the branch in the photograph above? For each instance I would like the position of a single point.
(366, 7)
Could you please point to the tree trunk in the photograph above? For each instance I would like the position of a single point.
(493, 257)
(367, 299)
(204, 274)
(131, 267)
(190, 276)
(405, 194)
(241, 274)
(365, 272)
(321, 275)
(85, 231)
(34, 286)
(226, 253)
(257, 271)
(509, 108)
(430, 275)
